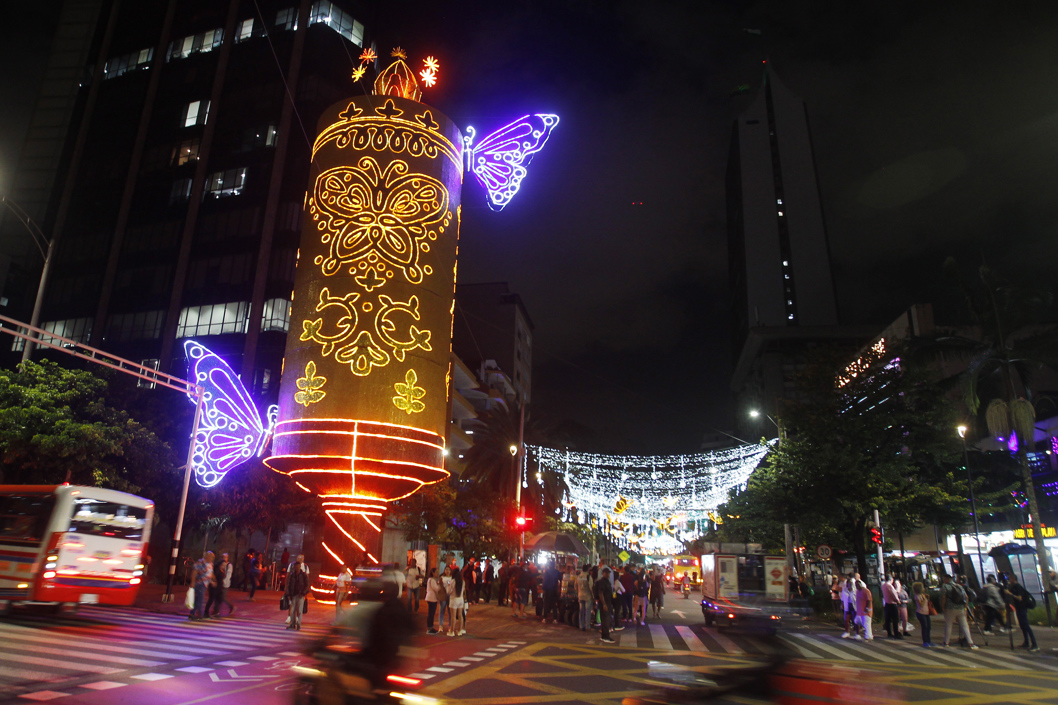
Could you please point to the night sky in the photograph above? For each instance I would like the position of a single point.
(935, 128)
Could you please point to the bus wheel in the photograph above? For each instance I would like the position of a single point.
(66, 609)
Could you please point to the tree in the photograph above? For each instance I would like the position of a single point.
(1012, 346)
(879, 439)
(56, 426)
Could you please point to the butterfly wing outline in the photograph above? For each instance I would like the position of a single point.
(499, 161)
(230, 429)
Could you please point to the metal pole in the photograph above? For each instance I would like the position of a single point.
(973, 508)
(179, 529)
(34, 320)
(881, 564)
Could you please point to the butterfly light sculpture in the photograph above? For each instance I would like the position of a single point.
(499, 161)
(231, 430)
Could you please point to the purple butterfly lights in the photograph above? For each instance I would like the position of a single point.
(500, 160)
(230, 431)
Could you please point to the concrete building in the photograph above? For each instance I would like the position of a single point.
(493, 334)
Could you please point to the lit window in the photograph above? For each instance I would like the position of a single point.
(789, 302)
(144, 325)
(78, 330)
(129, 62)
(215, 319)
(226, 183)
(338, 20)
(779, 201)
(198, 43)
(153, 363)
(196, 113)
(276, 315)
(790, 316)
(287, 19)
(786, 263)
(780, 214)
(786, 276)
(186, 151)
(181, 191)
(245, 30)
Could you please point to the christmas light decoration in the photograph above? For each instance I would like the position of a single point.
(231, 430)
(499, 161)
(655, 502)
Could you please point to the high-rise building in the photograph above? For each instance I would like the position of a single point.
(779, 262)
(177, 208)
(493, 335)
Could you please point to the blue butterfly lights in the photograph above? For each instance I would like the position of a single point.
(499, 161)
(231, 430)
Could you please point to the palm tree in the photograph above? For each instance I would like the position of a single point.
(1014, 344)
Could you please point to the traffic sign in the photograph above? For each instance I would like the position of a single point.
(624, 556)
(823, 551)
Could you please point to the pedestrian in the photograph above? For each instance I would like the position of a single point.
(246, 569)
(297, 589)
(525, 584)
(892, 612)
(478, 581)
(512, 586)
(657, 594)
(504, 576)
(848, 601)
(433, 588)
(992, 597)
(341, 590)
(924, 612)
(1021, 600)
(255, 573)
(284, 558)
(489, 576)
(585, 598)
(222, 570)
(468, 577)
(864, 611)
(203, 579)
(458, 602)
(551, 581)
(902, 601)
(604, 595)
(413, 582)
(953, 604)
(397, 576)
(444, 596)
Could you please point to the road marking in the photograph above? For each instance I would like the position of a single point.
(55, 663)
(910, 653)
(807, 653)
(1022, 660)
(689, 637)
(484, 654)
(195, 669)
(290, 653)
(939, 653)
(231, 664)
(725, 643)
(233, 676)
(440, 669)
(422, 676)
(471, 658)
(659, 637)
(873, 652)
(510, 645)
(44, 695)
(263, 658)
(458, 664)
(519, 643)
(108, 658)
(104, 685)
(829, 649)
(153, 676)
(93, 643)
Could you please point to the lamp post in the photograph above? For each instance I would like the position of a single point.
(518, 499)
(47, 249)
(756, 414)
(973, 502)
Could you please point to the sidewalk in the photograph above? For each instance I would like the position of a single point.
(265, 606)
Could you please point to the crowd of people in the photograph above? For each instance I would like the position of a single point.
(955, 602)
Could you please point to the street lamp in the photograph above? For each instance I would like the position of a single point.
(973, 502)
(47, 249)
(756, 414)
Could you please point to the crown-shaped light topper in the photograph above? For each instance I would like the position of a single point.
(398, 79)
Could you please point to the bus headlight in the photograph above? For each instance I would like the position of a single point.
(137, 572)
(49, 566)
(53, 558)
(23, 586)
(49, 575)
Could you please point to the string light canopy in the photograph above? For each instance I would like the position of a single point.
(654, 502)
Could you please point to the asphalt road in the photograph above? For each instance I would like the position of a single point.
(149, 655)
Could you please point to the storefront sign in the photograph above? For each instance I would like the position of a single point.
(1026, 532)
(775, 584)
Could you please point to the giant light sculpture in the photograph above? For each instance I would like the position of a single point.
(363, 401)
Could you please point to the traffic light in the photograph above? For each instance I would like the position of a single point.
(521, 521)
(876, 535)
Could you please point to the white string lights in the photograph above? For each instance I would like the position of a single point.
(653, 502)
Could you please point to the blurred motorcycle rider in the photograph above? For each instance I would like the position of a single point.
(382, 627)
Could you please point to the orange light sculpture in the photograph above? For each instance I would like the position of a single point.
(363, 400)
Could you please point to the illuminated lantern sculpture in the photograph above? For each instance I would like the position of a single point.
(363, 402)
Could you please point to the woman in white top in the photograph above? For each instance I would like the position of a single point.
(444, 596)
(433, 586)
(459, 590)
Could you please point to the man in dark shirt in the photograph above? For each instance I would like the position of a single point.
(505, 583)
(525, 582)
(488, 575)
(628, 582)
(604, 596)
(1022, 602)
(552, 580)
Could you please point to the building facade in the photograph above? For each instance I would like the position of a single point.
(176, 204)
(493, 335)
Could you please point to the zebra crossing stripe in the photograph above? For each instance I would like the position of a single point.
(1037, 663)
(939, 653)
(89, 655)
(871, 651)
(440, 669)
(911, 654)
(97, 644)
(422, 676)
(724, 643)
(806, 652)
(659, 637)
(471, 658)
(689, 638)
(53, 663)
(991, 663)
(829, 649)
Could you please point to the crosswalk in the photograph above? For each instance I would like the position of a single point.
(816, 646)
(104, 648)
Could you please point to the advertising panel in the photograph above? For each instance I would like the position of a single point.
(775, 583)
(727, 576)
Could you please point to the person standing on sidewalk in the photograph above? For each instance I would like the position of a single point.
(923, 613)
(341, 590)
(255, 574)
(413, 582)
(203, 579)
(992, 598)
(604, 592)
(892, 613)
(458, 601)
(444, 596)
(953, 604)
(551, 582)
(489, 576)
(864, 611)
(297, 590)
(504, 576)
(584, 598)
(1022, 601)
(433, 587)
(902, 602)
(222, 570)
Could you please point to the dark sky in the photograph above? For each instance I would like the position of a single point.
(935, 127)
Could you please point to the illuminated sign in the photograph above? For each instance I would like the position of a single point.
(1026, 532)
(499, 161)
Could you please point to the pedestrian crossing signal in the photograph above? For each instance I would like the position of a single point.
(876, 535)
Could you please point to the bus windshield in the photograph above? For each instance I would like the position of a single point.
(98, 517)
(24, 518)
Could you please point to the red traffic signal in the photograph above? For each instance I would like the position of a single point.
(876, 535)
(521, 521)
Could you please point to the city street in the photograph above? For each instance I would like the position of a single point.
(151, 654)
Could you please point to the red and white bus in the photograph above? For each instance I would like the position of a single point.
(64, 544)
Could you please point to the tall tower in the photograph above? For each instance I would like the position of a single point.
(779, 259)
